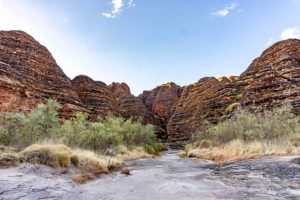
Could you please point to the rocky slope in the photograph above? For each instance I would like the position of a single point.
(131, 106)
(271, 80)
(96, 96)
(162, 100)
(29, 75)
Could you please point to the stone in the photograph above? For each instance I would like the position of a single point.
(271, 80)
(29, 75)
(162, 100)
(96, 96)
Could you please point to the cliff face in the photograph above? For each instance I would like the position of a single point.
(162, 100)
(131, 106)
(270, 81)
(29, 75)
(194, 106)
(96, 96)
(274, 77)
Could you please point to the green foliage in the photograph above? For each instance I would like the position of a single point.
(231, 107)
(279, 124)
(43, 124)
(239, 96)
(23, 129)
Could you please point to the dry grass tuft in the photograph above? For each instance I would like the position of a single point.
(136, 153)
(240, 150)
(8, 160)
(87, 164)
(51, 155)
(248, 135)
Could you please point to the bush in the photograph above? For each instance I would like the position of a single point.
(247, 135)
(278, 124)
(22, 130)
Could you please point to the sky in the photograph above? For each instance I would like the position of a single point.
(146, 43)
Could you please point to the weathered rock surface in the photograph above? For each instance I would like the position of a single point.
(274, 77)
(162, 100)
(195, 105)
(270, 81)
(30, 75)
(96, 97)
(165, 177)
(129, 105)
(116, 99)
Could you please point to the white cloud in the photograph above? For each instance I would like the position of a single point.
(130, 3)
(270, 42)
(117, 8)
(108, 15)
(291, 32)
(226, 10)
(74, 55)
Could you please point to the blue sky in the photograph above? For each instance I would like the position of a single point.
(149, 42)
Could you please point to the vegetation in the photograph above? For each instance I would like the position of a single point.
(21, 130)
(231, 107)
(40, 137)
(248, 135)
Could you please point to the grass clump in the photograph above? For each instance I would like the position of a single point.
(248, 135)
(231, 107)
(51, 155)
(41, 137)
(21, 130)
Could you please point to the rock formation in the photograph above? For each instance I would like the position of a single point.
(29, 75)
(96, 96)
(162, 100)
(195, 105)
(129, 105)
(270, 81)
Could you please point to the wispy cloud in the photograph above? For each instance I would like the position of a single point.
(130, 3)
(288, 33)
(226, 10)
(270, 42)
(118, 6)
(291, 32)
(53, 33)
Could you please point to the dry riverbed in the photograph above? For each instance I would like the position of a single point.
(165, 177)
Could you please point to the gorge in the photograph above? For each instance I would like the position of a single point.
(29, 75)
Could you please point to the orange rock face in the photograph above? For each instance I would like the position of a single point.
(96, 96)
(129, 105)
(270, 81)
(30, 75)
(162, 100)
(194, 106)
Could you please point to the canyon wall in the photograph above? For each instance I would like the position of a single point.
(270, 81)
(29, 75)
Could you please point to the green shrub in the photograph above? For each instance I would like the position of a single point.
(22, 130)
(274, 125)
